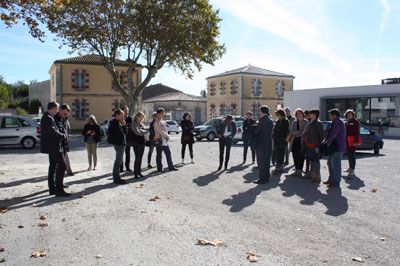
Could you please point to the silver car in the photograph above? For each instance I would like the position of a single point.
(19, 130)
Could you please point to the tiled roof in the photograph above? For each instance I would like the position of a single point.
(175, 96)
(90, 59)
(252, 70)
(156, 90)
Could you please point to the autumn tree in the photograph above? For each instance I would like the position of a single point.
(148, 33)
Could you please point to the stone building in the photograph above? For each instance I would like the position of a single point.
(176, 103)
(84, 84)
(245, 89)
(41, 91)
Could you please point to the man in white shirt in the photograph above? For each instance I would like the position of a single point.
(161, 139)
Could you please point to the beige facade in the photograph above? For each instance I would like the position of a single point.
(246, 89)
(84, 84)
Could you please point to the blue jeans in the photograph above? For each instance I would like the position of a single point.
(335, 168)
(167, 151)
(119, 155)
(313, 158)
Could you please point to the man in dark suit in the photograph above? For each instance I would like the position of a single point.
(51, 144)
(263, 138)
(226, 130)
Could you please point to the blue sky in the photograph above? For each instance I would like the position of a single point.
(323, 43)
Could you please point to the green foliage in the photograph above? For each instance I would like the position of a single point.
(153, 33)
(34, 105)
(21, 111)
(13, 95)
(4, 96)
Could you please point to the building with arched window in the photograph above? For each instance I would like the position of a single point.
(245, 89)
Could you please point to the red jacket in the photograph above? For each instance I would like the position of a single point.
(353, 134)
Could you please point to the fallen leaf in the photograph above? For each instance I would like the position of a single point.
(143, 211)
(2, 249)
(155, 198)
(358, 259)
(3, 210)
(374, 190)
(45, 224)
(140, 186)
(383, 238)
(203, 242)
(2, 260)
(63, 220)
(298, 229)
(98, 256)
(43, 217)
(38, 254)
(20, 226)
(252, 257)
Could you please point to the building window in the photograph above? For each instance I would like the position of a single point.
(234, 87)
(213, 110)
(122, 77)
(222, 87)
(233, 109)
(80, 109)
(256, 87)
(255, 109)
(279, 88)
(80, 79)
(213, 89)
(222, 109)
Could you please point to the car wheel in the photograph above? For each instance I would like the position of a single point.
(376, 149)
(211, 136)
(28, 143)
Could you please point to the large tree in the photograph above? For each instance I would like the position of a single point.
(148, 33)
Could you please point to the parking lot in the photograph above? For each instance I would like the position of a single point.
(286, 222)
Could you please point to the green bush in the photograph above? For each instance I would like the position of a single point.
(21, 111)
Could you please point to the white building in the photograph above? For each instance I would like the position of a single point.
(374, 105)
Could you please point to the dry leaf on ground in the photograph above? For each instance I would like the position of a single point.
(140, 186)
(155, 198)
(374, 190)
(358, 259)
(204, 242)
(383, 238)
(2, 260)
(98, 256)
(45, 224)
(43, 217)
(2, 249)
(20, 226)
(298, 229)
(3, 210)
(38, 254)
(252, 257)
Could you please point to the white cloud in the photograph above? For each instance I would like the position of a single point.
(276, 19)
(385, 14)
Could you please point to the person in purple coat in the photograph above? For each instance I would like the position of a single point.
(336, 147)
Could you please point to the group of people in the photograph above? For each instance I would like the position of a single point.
(269, 141)
(303, 136)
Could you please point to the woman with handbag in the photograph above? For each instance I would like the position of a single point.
(187, 138)
(138, 142)
(297, 148)
(352, 140)
(92, 136)
(313, 136)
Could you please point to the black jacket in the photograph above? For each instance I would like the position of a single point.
(221, 129)
(116, 134)
(152, 132)
(95, 128)
(263, 134)
(51, 139)
(248, 129)
(128, 130)
(62, 127)
(281, 131)
(187, 132)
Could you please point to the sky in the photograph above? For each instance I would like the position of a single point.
(323, 43)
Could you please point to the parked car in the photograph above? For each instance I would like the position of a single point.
(370, 140)
(173, 126)
(37, 120)
(239, 132)
(209, 129)
(19, 130)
